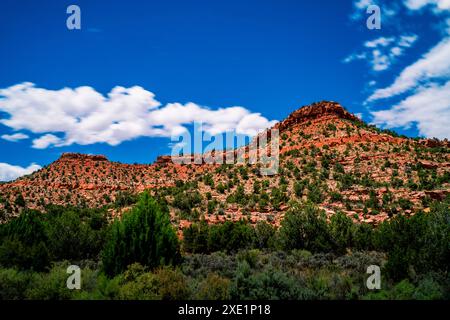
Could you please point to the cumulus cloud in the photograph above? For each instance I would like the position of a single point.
(428, 108)
(47, 140)
(14, 137)
(84, 116)
(382, 52)
(10, 172)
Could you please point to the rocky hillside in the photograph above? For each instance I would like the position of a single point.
(327, 156)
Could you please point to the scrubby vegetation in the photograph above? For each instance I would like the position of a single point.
(140, 256)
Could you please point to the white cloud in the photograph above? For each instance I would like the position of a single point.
(380, 42)
(425, 83)
(10, 172)
(390, 9)
(84, 116)
(434, 64)
(437, 5)
(382, 52)
(428, 108)
(47, 140)
(14, 137)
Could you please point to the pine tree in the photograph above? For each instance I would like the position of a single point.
(144, 235)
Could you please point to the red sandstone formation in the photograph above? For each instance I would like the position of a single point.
(383, 166)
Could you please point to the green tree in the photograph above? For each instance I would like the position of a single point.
(72, 236)
(264, 235)
(23, 242)
(144, 235)
(305, 227)
(341, 231)
(20, 201)
(417, 244)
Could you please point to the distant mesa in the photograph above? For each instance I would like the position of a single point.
(81, 156)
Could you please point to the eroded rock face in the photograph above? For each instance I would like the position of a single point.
(163, 160)
(437, 194)
(435, 143)
(80, 157)
(316, 110)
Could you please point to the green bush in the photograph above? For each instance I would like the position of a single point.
(51, 285)
(214, 287)
(305, 227)
(74, 237)
(228, 236)
(23, 242)
(13, 284)
(264, 235)
(124, 199)
(341, 232)
(417, 244)
(165, 283)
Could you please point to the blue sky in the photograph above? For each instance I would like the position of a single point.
(138, 71)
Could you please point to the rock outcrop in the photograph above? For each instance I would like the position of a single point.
(314, 111)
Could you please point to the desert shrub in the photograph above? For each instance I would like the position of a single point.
(228, 236)
(171, 284)
(277, 197)
(432, 287)
(200, 265)
(417, 244)
(299, 187)
(270, 284)
(404, 290)
(221, 187)
(51, 285)
(125, 198)
(238, 196)
(341, 231)
(144, 235)
(405, 204)
(20, 201)
(195, 238)
(214, 287)
(363, 237)
(425, 289)
(186, 201)
(336, 196)
(165, 283)
(208, 180)
(14, 253)
(305, 227)
(13, 284)
(75, 234)
(315, 194)
(23, 242)
(264, 235)
(28, 228)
